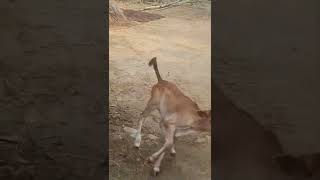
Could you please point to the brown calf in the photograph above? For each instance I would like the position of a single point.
(178, 113)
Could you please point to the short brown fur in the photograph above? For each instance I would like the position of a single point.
(178, 114)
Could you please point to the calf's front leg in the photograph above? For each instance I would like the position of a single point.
(169, 139)
(173, 150)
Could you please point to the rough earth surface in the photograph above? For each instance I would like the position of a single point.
(181, 40)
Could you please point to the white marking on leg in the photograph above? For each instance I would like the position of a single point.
(173, 151)
(157, 164)
(168, 144)
(185, 132)
(149, 108)
(137, 140)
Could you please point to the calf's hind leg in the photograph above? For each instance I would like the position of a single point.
(156, 167)
(169, 139)
(149, 108)
(164, 132)
(173, 150)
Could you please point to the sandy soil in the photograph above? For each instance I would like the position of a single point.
(181, 41)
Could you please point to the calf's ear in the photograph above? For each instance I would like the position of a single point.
(209, 112)
(202, 114)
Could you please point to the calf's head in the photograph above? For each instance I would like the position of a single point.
(204, 123)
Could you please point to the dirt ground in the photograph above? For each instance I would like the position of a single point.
(181, 40)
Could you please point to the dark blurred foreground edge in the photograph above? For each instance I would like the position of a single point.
(278, 43)
(53, 90)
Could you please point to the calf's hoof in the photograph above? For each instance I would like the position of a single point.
(173, 154)
(137, 146)
(137, 141)
(151, 159)
(156, 171)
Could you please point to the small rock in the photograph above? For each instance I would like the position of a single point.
(120, 137)
(152, 137)
(116, 137)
